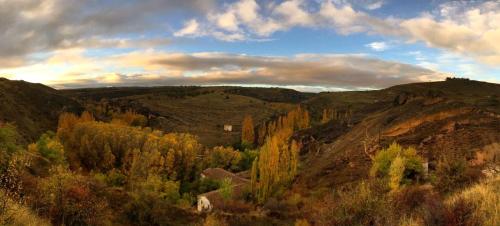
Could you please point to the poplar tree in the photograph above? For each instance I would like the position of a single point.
(247, 131)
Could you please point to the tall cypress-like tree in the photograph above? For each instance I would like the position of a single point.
(247, 131)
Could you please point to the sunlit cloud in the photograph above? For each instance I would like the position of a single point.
(71, 68)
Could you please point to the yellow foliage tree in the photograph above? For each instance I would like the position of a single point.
(247, 131)
(328, 115)
(275, 167)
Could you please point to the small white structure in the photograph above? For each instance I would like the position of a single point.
(213, 199)
(425, 166)
(204, 204)
(228, 128)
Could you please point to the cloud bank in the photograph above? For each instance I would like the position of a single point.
(210, 68)
(31, 26)
(469, 28)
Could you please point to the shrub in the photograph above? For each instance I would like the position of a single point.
(8, 144)
(360, 205)
(453, 172)
(15, 214)
(226, 189)
(224, 157)
(411, 199)
(213, 220)
(302, 222)
(247, 158)
(477, 205)
(72, 199)
(157, 188)
(399, 166)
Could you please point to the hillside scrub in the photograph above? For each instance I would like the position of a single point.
(398, 165)
(477, 205)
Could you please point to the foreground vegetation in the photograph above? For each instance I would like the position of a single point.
(331, 161)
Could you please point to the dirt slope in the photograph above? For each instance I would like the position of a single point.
(439, 118)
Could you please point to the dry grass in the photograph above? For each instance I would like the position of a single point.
(15, 214)
(484, 201)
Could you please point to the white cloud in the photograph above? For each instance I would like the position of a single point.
(378, 46)
(471, 29)
(374, 5)
(191, 28)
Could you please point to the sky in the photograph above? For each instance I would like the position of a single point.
(308, 45)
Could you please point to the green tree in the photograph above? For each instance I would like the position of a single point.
(396, 171)
(398, 165)
(224, 157)
(8, 144)
(226, 189)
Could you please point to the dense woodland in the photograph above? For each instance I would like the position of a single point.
(113, 169)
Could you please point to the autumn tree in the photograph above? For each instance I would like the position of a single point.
(71, 199)
(398, 165)
(261, 134)
(137, 151)
(275, 167)
(247, 131)
(223, 157)
(130, 118)
(328, 115)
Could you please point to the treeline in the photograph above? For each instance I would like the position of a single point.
(91, 172)
(277, 162)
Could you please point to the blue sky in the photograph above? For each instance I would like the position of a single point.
(310, 45)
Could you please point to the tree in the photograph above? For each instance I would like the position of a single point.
(275, 167)
(261, 134)
(226, 189)
(247, 131)
(223, 157)
(130, 118)
(8, 144)
(396, 171)
(328, 115)
(400, 166)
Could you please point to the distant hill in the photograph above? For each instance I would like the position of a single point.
(202, 111)
(33, 108)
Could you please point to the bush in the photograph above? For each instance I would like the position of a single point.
(453, 172)
(247, 158)
(419, 201)
(360, 205)
(224, 157)
(399, 166)
(302, 222)
(213, 220)
(15, 214)
(8, 144)
(478, 205)
(72, 199)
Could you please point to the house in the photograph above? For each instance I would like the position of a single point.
(228, 128)
(213, 199)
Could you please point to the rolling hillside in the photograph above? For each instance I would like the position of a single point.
(455, 117)
(32, 108)
(202, 111)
